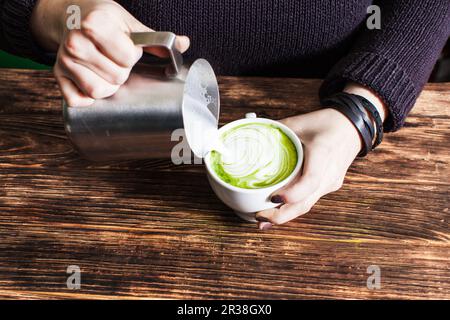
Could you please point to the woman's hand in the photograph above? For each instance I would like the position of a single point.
(331, 143)
(94, 61)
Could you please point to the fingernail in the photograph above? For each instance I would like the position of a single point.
(265, 225)
(277, 199)
(262, 219)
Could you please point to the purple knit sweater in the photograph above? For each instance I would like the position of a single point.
(303, 38)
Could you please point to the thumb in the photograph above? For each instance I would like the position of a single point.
(182, 43)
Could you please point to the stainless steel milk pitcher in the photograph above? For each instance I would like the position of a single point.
(137, 122)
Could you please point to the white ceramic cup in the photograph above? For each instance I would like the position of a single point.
(246, 202)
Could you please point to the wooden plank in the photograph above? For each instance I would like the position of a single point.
(188, 261)
(155, 230)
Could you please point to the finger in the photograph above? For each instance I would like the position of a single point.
(110, 39)
(84, 52)
(288, 212)
(308, 182)
(72, 95)
(86, 80)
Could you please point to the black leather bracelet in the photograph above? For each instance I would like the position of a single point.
(372, 110)
(355, 117)
(355, 103)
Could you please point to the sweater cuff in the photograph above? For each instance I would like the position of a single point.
(383, 76)
(15, 17)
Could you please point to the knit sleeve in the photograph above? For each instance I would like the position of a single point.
(396, 60)
(15, 32)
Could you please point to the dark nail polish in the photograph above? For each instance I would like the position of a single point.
(262, 219)
(277, 199)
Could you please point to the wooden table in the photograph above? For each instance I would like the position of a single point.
(150, 229)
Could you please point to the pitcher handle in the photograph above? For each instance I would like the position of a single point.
(164, 40)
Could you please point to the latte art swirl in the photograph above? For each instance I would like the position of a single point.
(256, 155)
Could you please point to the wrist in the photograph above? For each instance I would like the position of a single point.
(346, 131)
(48, 22)
(370, 95)
(44, 24)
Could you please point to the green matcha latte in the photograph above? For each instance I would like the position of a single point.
(257, 155)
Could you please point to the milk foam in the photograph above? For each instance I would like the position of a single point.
(254, 155)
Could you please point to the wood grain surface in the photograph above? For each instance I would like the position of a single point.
(150, 229)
